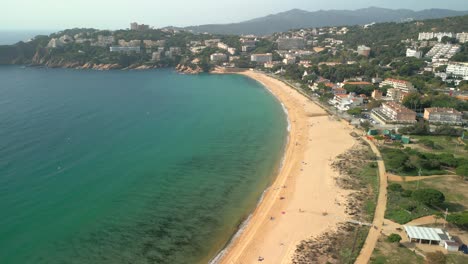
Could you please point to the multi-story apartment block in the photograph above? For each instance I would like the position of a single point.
(459, 69)
(218, 57)
(431, 35)
(413, 53)
(124, 49)
(443, 116)
(261, 58)
(462, 37)
(402, 85)
(392, 112)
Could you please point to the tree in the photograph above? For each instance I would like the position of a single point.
(366, 125)
(412, 100)
(436, 258)
(428, 197)
(394, 238)
(459, 219)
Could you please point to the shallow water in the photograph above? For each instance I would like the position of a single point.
(130, 166)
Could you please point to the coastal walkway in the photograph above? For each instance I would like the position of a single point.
(397, 178)
(379, 215)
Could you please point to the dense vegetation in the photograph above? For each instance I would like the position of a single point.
(408, 161)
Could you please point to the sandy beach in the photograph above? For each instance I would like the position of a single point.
(304, 199)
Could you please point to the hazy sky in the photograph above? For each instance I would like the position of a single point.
(114, 14)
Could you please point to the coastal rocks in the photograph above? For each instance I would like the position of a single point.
(100, 67)
(188, 70)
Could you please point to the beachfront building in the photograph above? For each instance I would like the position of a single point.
(218, 57)
(442, 115)
(124, 49)
(427, 235)
(291, 43)
(459, 69)
(413, 53)
(363, 50)
(345, 102)
(261, 58)
(394, 113)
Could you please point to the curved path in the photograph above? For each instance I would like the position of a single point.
(379, 215)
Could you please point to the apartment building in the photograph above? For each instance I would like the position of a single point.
(363, 50)
(442, 115)
(218, 57)
(462, 37)
(459, 69)
(402, 85)
(261, 58)
(392, 112)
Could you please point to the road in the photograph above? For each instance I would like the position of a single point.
(379, 215)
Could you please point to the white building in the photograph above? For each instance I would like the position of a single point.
(442, 51)
(402, 85)
(462, 37)
(458, 69)
(345, 102)
(413, 53)
(427, 235)
(431, 35)
(261, 58)
(124, 49)
(218, 57)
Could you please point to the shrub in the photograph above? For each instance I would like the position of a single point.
(395, 187)
(459, 219)
(429, 197)
(407, 193)
(394, 238)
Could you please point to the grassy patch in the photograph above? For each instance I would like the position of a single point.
(443, 144)
(457, 259)
(454, 189)
(393, 253)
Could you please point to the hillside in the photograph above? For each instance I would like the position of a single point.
(297, 18)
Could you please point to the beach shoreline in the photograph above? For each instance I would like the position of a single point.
(303, 199)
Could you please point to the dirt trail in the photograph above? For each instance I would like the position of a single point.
(374, 232)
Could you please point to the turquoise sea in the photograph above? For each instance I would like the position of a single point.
(130, 166)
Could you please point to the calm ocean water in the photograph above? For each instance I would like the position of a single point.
(130, 167)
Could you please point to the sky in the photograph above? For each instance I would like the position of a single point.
(117, 14)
